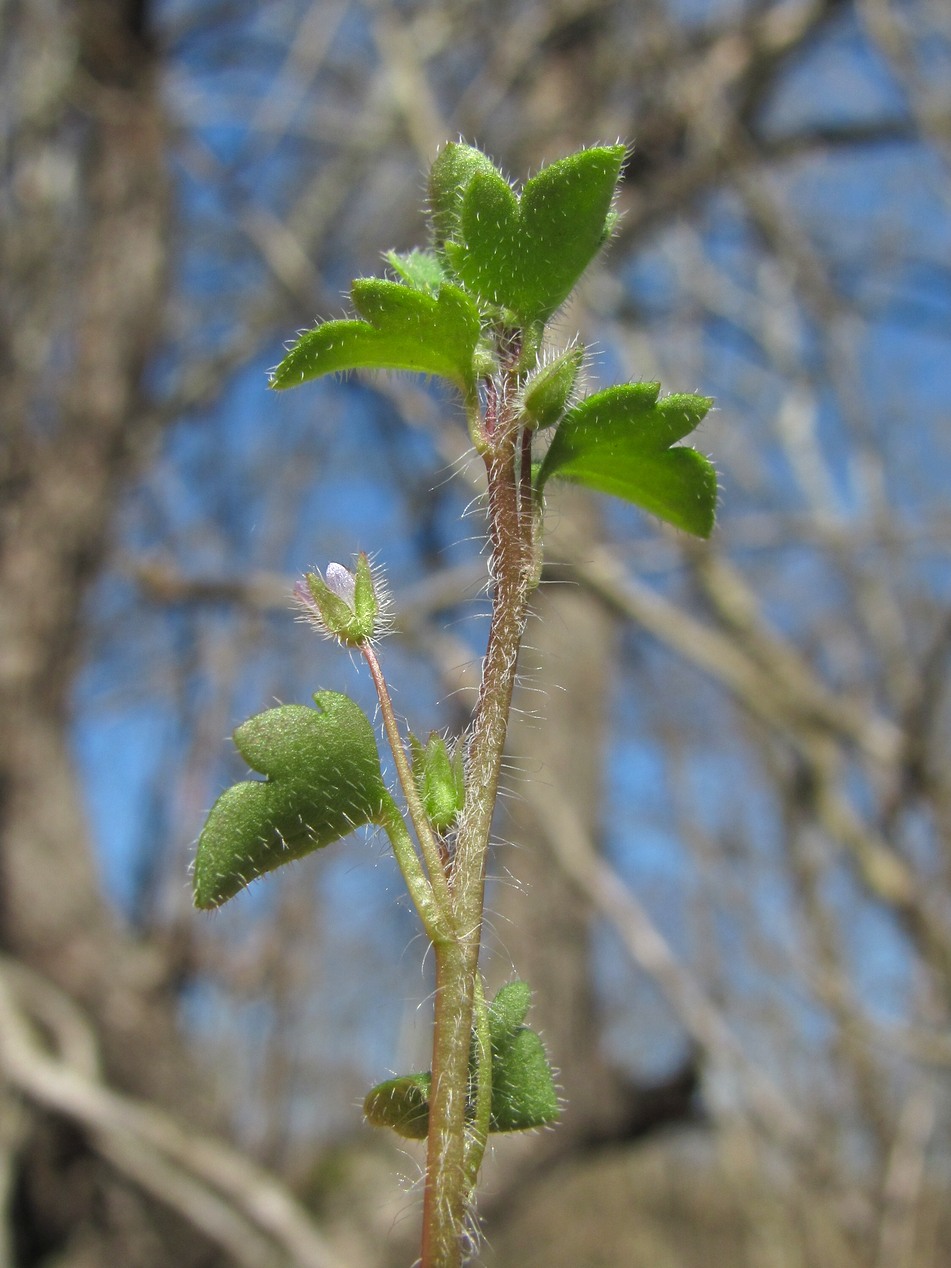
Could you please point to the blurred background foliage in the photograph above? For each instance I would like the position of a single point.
(729, 877)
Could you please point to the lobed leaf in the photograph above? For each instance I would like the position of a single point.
(454, 167)
(403, 328)
(420, 269)
(526, 255)
(508, 1010)
(401, 1103)
(619, 442)
(323, 780)
(523, 1088)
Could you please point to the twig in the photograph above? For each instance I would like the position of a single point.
(234, 1202)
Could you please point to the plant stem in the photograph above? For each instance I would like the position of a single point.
(450, 1174)
(414, 802)
(510, 526)
(435, 917)
(454, 1157)
(447, 1193)
(480, 1127)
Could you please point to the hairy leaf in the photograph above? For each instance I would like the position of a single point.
(420, 269)
(454, 167)
(404, 328)
(619, 442)
(323, 780)
(526, 255)
(508, 1010)
(401, 1103)
(523, 1088)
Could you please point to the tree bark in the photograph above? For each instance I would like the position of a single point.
(84, 265)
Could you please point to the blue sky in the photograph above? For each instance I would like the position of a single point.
(281, 483)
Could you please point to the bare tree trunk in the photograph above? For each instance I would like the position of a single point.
(84, 253)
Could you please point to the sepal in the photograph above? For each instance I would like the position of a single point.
(351, 607)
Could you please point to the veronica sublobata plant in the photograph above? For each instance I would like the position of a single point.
(471, 309)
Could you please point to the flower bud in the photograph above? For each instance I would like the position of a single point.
(342, 582)
(549, 392)
(440, 778)
(344, 605)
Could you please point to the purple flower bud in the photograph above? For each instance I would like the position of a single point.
(342, 582)
(346, 606)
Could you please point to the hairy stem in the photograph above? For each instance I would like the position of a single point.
(435, 917)
(447, 1192)
(414, 801)
(478, 1136)
(511, 530)
(450, 1173)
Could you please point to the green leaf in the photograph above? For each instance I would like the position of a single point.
(403, 329)
(526, 255)
(401, 1103)
(508, 1010)
(420, 269)
(323, 780)
(619, 442)
(523, 1088)
(454, 167)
